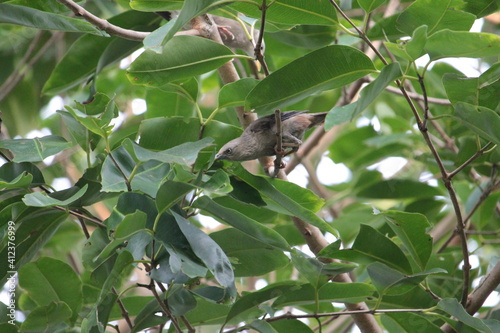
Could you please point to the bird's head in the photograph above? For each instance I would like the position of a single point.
(236, 150)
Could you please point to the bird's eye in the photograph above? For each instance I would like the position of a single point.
(228, 151)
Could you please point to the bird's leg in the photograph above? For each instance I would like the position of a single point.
(225, 33)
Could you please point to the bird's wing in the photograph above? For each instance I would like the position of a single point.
(266, 123)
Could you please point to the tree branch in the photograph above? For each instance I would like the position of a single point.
(102, 24)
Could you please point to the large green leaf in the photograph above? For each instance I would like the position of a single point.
(370, 5)
(387, 76)
(177, 130)
(447, 43)
(210, 253)
(389, 281)
(253, 299)
(86, 53)
(283, 200)
(39, 199)
(443, 15)
(330, 292)
(481, 91)
(50, 280)
(294, 12)
(245, 224)
(185, 153)
(340, 65)
(235, 93)
(455, 309)
(35, 150)
(47, 318)
(33, 231)
(250, 257)
(155, 5)
(11, 171)
(407, 322)
(38, 19)
(483, 121)
(411, 230)
(399, 189)
(363, 251)
(183, 57)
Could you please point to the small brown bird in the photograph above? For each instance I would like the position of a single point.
(259, 139)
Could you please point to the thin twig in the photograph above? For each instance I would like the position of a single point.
(103, 24)
(129, 186)
(470, 160)
(279, 143)
(165, 308)
(258, 45)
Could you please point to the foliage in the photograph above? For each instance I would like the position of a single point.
(127, 240)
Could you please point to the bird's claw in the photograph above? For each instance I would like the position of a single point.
(225, 33)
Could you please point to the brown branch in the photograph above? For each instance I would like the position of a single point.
(24, 65)
(102, 24)
(416, 96)
(258, 45)
(279, 144)
(470, 160)
(477, 298)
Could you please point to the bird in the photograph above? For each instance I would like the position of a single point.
(259, 139)
(232, 32)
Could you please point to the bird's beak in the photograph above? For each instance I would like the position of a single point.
(219, 156)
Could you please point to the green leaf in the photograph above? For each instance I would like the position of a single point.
(399, 189)
(177, 130)
(21, 181)
(32, 233)
(453, 308)
(340, 65)
(370, 5)
(83, 56)
(251, 257)
(480, 91)
(484, 122)
(184, 154)
(47, 318)
(481, 8)
(33, 18)
(407, 322)
(414, 48)
(10, 171)
(49, 280)
(317, 272)
(155, 5)
(209, 252)
(443, 15)
(330, 292)
(391, 282)
(183, 57)
(363, 251)
(243, 223)
(261, 326)
(295, 12)
(39, 199)
(170, 193)
(447, 43)
(388, 75)
(291, 206)
(235, 93)
(291, 325)
(251, 300)
(35, 150)
(411, 230)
